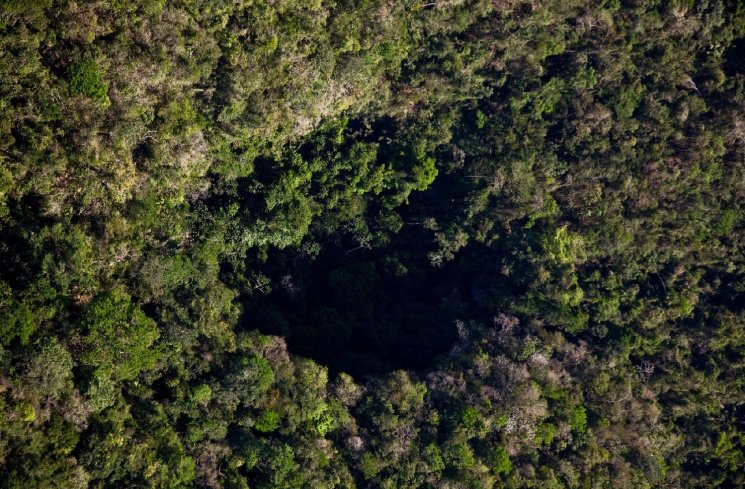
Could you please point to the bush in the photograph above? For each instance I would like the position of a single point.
(268, 421)
(86, 79)
(500, 461)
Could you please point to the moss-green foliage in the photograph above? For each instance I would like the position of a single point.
(18, 322)
(268, 421)
(86, 79)
(119, 338)
(500, 460)
(315, 244)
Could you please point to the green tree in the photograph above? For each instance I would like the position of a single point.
(119, 338)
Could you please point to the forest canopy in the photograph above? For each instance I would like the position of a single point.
(372, 243)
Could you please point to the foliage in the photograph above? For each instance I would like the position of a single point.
(86, 79)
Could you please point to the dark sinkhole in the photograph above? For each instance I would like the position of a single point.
(364, 312)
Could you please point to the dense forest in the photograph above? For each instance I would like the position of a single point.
(372, 244)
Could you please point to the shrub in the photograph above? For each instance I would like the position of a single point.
(86, 79)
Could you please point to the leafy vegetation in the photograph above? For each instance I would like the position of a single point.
(398, 244)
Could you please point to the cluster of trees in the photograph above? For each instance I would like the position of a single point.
(372, 243)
